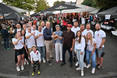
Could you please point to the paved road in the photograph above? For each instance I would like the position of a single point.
(7, 65)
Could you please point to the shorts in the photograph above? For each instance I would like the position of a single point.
(99, 52)
(19, 52)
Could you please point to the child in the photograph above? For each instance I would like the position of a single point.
(35, 59)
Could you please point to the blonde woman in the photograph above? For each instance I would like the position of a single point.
(17, 42)
(90, 51)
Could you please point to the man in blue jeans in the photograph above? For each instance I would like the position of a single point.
(68, 43)
(5, 36)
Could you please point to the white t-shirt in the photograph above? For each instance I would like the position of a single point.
(18, 30)
(40, 40)
(86, 31)
(99, 35)
(34, 31)
(35, 56)
(90, 46)
(19, 45)
(73, 29)
(30, 40)
(80, 45)
(83, 20)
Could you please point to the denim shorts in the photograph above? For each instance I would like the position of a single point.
(99, 52)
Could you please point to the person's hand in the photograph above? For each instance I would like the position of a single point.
(81, 53)
(32, 62)
(40, 34)
(100, 47)
(92, 53)
(20, 38)
(71, 49)
(32, 34)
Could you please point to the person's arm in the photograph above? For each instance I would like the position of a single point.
(37, 36)
(39, 57)
(15, 42)
(83, 45)
(31, 58)
(94, 49)
(103, 41)
(29, 36)
(72, 44)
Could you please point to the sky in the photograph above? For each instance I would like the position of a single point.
(50, 2)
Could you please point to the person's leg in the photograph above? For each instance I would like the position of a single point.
(77, 53)
(47, 50)
(43, 52)
(94, 60)
(38, 66)
(22, 59)
(15, 56)
(57, 51)
(99, 56)
(82, 61)
(70, 54)
(64, 51)
(7, 42)
(50, 44)
(87, 56)
(19, 59)
(34, 66)
(60, 49)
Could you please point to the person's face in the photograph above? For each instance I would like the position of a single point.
(57, 28)
(82, 27)
(88, 26)
(78, 34)
(42, 24)
(69, 28)
(23, 32)
(30, 23)
(39, 28)
(48, 25)
(75, 24)
(34, 49)
(18, 34)
(88, 35)
(34, 27)
(29, 30)
(18, 26)
(97, 27)
(24, 26)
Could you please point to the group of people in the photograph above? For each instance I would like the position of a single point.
(34, 43)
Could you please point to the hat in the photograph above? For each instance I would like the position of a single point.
(34, 46)
(69, 25)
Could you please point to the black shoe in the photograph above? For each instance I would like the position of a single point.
(63, 64)
(74, 59)
(71, 65)
(50, 63)
(52, 58)
(97, 65)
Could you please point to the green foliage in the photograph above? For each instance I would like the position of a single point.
(56, 2)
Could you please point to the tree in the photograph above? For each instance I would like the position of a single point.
(24, 4)
(56, 2)
(41, 5)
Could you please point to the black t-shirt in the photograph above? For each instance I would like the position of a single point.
(68, 39)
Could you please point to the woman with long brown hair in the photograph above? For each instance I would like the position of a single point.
(79, 47)
(90, 51)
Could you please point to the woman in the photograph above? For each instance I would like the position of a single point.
(58, 43)
(79, 47)
(90, 50)
(24, 48)
(18, 44)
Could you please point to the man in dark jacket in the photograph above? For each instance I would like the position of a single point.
(5, 36)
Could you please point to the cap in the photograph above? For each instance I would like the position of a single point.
(69, 25)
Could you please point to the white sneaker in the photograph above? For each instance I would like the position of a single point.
(85, 65)
(88, 66)
(24, 62)
(22, 67)
(82, 73)
(93, 70)
(27, 62)
(76, 63)
(78, 68)
(44, 61)
(18, 69)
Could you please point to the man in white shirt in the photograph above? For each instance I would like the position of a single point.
(30, 39)
(100, 37)
(88, 26)
(40, 42)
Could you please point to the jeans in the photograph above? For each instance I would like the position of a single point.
(88, 54)
(6, 43)
(70, 54)
(42, 51)
(80, 59)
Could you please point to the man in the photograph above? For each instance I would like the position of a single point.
(68, 43)
(74, 29)
(100, 37)
(43, 25)
(5, 36)
(30, 39)
(47, 33)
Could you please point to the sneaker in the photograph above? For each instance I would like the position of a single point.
(49, 62)
(27, 63)
(82, 73)
(22, 67)
(18, 69)
(78, 68)
(33, 74)
(76, 63)
(85, 65)
(38, 72)
(24, 62)
(44, 61)
(88, 66)
(93, 70)
(57, 61)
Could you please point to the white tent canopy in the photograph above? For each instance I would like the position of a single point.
(94, 12)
